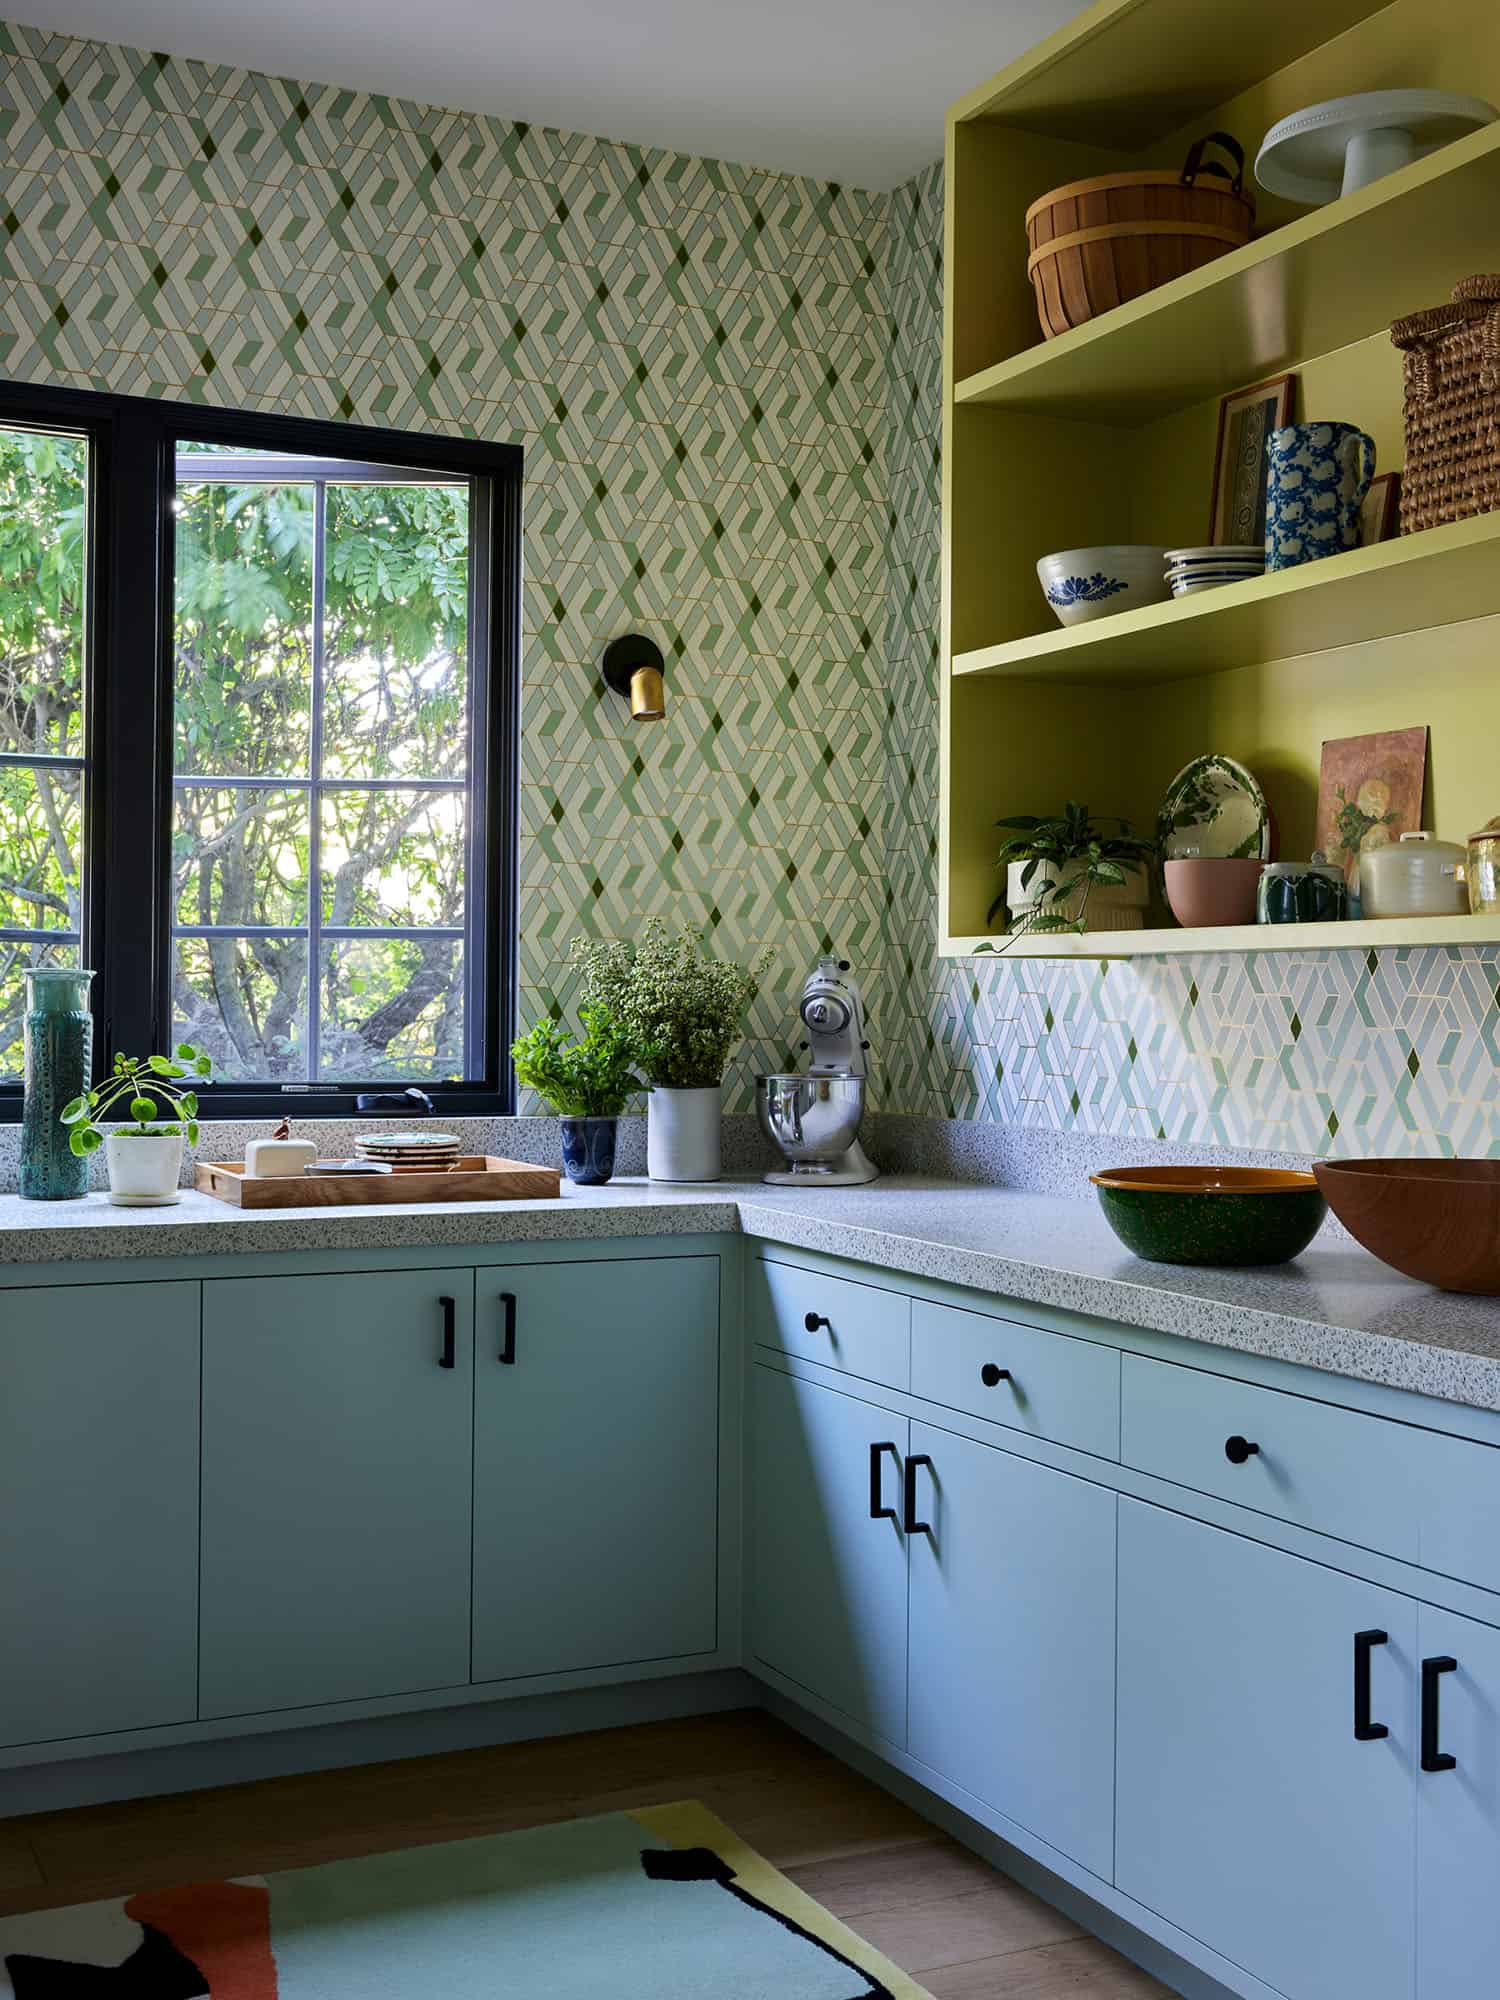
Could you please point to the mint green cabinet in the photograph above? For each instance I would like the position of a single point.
(827, 1550)
(1011, 1653)
(1458, 1810)
(337, 1468)
(99, 1500)
(595, 1464)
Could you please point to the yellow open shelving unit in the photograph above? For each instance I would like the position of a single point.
(1106, 434)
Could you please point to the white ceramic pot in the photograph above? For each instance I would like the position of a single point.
(682, 1134)
(1415, 876)
(1111, 907)
(143, 1168)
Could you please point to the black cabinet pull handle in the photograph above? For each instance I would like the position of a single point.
(814, 1320)
(1366, 1731)
(911, 1524)
(878, 1510)
(1434, 1759)
(992, 1377)
(449, 1356)
(1238, 1449)
(507, 1355)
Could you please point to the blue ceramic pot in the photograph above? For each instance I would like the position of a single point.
(1316, 480)
(59, 1059)
(588, 1149)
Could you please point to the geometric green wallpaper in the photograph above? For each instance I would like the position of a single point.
(692, 355)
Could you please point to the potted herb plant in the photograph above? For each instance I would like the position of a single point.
(683, 1012)
(588, 1082)
(1072, 872)
(145, 1158)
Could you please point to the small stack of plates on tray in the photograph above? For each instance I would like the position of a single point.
(1192, 570)
(433, 1150)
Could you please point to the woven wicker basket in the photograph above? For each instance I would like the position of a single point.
(1097, 243)
(1452, 407)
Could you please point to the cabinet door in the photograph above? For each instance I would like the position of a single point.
(1458, 1812)
(1012, 1658)
(1248, 1812)
(99, 1496)
(337, 1470)
(596, 1452)
(828, 1591)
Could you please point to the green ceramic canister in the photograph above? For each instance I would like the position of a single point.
(59, 1043)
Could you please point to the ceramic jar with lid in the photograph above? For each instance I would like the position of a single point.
(1301, 892)
(1484, 869)
(1416, 876)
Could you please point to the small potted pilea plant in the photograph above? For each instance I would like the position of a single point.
(144, 1158)
(588, 1082)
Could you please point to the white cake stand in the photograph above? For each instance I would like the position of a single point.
(1332, 149)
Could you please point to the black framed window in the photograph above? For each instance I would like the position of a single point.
(273, 680)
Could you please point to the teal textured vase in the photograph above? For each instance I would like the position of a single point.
(59, 1059)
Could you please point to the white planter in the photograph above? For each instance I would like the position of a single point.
(682, 1135)
(1111, 907)
(143, 1169)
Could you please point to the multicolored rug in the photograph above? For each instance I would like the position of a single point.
(661, 1904)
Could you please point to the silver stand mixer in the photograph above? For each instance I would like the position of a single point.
(814, 1119)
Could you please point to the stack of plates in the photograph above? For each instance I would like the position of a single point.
(434, 1150)
(1192, 570)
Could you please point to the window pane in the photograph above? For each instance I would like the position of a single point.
(244, 629)
(396, 632)
(43, 516)
(239, 855)
(41, 841)
(243, 1001)
(393, 858)
(392, 1007)
(14, 960)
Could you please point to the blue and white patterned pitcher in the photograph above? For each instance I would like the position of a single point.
(1317, 478)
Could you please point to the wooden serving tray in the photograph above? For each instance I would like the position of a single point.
(476, 1177)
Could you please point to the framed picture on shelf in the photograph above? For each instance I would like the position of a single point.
(1369, 793)
(1380, 511)
(1247, 417)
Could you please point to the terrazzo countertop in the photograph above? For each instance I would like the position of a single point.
(1335, 1308)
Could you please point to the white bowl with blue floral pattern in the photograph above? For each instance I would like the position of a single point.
(1081, 584)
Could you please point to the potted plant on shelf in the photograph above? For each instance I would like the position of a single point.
(1071, 872)
(588, 1083)
(144, 1159)
(683, 1012)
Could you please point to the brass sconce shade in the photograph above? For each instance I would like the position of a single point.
(633, 668)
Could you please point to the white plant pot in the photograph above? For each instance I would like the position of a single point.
(682, 1134)
(1111, 907)
(143, 1170)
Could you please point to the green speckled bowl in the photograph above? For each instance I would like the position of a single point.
(1211, 1215)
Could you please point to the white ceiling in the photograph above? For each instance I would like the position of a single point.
(846, 90)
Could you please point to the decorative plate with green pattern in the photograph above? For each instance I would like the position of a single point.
(1216, 808)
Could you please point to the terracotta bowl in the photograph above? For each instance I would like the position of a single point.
(1211, 1215)
(1204, 892)
(1437, 1220)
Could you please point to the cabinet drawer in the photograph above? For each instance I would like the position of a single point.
(1052, 1386)
(843, 1324)
(1325, 1468)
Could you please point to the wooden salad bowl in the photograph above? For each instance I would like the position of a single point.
(1437, 1220)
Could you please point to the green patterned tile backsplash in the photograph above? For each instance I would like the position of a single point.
(692, 355)
(1294, 1053)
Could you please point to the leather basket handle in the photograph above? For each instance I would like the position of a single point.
(1195, 163)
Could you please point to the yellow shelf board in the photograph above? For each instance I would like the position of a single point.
(1443, 576)
(1374, 934)
(1124, 72)
(1335, 276)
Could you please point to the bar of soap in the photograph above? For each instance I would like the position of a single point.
(271, 1159)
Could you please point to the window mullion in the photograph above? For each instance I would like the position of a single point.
(315, 790)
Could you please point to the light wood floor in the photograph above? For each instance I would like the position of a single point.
(965, 1932)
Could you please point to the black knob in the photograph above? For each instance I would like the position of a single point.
(815, 1320)
(992, 1377)
(1238, 1449)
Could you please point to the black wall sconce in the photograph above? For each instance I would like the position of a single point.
(633, 668)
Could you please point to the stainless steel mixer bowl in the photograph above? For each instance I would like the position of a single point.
(810, 1117)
